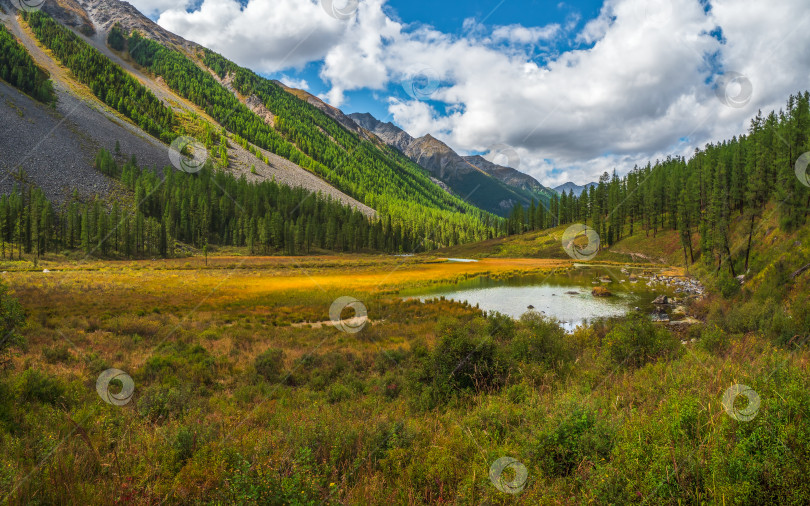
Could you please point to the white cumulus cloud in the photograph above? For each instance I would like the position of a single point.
(638, 80)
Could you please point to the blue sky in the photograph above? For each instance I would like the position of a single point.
(576, 88)
(450, 17)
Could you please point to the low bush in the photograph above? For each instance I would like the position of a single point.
(33, 385)
(636, 341)
(464, 360)
(580, 438)
(270, 364)
(57, 354)
(713, 339)
(541, 339)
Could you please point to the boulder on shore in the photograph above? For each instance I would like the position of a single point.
(601, 291)
(661, 299)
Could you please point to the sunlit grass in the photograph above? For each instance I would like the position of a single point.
(350, 419)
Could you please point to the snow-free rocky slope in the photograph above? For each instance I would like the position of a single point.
(55, 146)
(487, 185)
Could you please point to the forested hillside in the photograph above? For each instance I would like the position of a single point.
(699, 196)
(391, 185)
(400, 191)
(18, 69)
(111, 84)
(208, 208)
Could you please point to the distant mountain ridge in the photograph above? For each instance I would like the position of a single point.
(577, 189)
(302, 144)
(508, 175)
(487, 185)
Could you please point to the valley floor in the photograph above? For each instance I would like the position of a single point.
(234, 401)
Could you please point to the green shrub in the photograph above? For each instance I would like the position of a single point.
(6, 407)
(270, 364)
(727, 284)
(580, 437)
(391, 385)
(389, 359)
(464, 359)
(541, 339)
(57, 354)
(389, 435)
(95, 363)
(33, 385)
(159, 402)
(247, 484)
(338, 392)
(517, 394)
(181, 363)
(183, 446)
(636, 341)
(713, 339)
(501, 327)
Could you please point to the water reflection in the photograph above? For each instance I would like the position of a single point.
(566, 297)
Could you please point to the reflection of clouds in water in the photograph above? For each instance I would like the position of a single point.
(550, 300)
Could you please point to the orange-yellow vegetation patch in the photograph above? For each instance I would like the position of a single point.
(181, 283)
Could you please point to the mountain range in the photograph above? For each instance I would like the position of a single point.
(492, 187)
(573, 187)
(303, 142)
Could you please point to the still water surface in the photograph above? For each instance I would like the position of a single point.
(566, 297)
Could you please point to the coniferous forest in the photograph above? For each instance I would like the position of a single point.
(383, 180)
(698, 196)
(211, 207)
(215, 333)
(400, 192)
(19, 70)
(108, 81)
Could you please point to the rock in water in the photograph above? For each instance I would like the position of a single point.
(601, 291)
(661, 299)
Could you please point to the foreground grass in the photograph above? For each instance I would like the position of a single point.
(234, 403)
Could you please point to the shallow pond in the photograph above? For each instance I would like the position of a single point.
(564, 296)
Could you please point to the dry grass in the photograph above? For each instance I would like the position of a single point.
(204, 427)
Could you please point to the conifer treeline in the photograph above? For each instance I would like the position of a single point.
(381, 179)
(18, 69)
(109, 82)
(210, 207)
(699, 195)
(398, 190)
